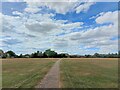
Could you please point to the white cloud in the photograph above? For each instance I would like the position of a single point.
(61, 0)
(109, 17)
(32, 10)
(0, 23)
(72, 25)
(99, 37)
(52, 27)
(46, 32)
(60, 7)
(16, 13)
(48, 25)
(38, 27)
(43, 27)
(84, 7)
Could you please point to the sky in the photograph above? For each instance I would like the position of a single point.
(66, 27)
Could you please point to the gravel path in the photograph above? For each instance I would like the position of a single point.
(51, 80)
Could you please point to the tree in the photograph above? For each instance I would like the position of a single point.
(20, 56)
(50, 53)
(88, 56)
(11, 54)
(96, 55)
(27, 56)
(63, 55)
(39, 54)
(1, 53)
(119, 54)
(36, 55)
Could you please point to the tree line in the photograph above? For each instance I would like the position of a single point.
(52, 54)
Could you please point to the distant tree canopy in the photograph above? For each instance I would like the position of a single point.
(49, 53)
(52, 54)
(11, 54)
(63, 55)
(20, 56)
(1, 53)
(36, 54)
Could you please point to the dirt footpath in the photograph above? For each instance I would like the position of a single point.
(51, 80)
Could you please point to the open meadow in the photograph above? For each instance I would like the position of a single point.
(89, 73)
(74, 72)
(24, 73)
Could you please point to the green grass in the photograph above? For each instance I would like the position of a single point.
(89, 73)
(24, 73)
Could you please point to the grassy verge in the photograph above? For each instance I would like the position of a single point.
(24, 73)
(89, 73)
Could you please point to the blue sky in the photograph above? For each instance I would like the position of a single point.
(75, 28)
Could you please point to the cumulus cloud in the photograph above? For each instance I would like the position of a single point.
(0, 23)
(43, 27)
(72, 25)
(32, 10)
(109, 17)
(84, 7)
(52, 27)
(16, 13)
(11, 41)
(58, 43)
(47, 32)
(98, 37)
(38, 27)
(61, 6)
(47, 25)
(98, 32)
(60, 1)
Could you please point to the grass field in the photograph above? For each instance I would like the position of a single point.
(89, 73)
(24, 73)
(74, 73)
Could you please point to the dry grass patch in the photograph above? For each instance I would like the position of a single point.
(89, 73)
(24, 73)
